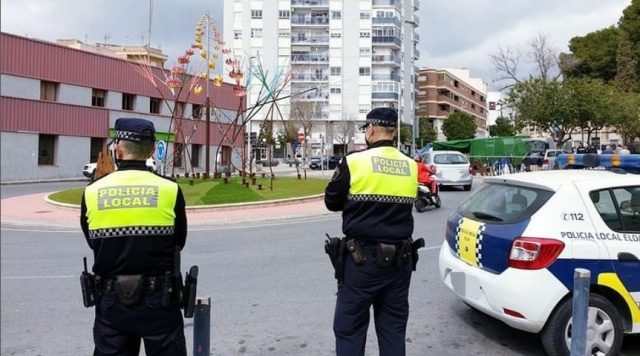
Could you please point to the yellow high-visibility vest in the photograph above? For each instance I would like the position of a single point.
(131, 203)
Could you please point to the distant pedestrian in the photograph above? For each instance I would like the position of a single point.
(581, 149)
(625, 150)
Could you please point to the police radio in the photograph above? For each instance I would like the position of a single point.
(87, 282)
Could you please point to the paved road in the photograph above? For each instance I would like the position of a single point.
(272, 289)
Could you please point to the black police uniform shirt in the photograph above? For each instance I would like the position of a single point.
(367, 220)
(130, 255)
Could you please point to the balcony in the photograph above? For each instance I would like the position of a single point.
(387, 41)
(396, 3)
(387, 21)
(416, 37)
(310, 3)
(416, 4)
(385, 60)
(416, 19)
(310, 58)
(416, 54)
(310, 40)
(310, 77)
(310, 21)
(391, 77)
(384, 96)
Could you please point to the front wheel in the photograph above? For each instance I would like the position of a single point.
(467, 187)
(604, 329)
(438, 202)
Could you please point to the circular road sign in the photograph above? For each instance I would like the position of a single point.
(161, 150)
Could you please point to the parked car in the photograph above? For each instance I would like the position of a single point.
(451, 167)
(327, 163)
(268, 163)
(542, 159)
(89, 169)
(511, 248)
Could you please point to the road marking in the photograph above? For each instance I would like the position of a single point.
(430, 248)
(38, 277)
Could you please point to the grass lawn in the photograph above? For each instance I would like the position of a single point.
(211, 192)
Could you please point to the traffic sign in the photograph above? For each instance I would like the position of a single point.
(161, 150)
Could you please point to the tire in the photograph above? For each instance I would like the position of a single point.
(467, 187)
(420, 205)
(438, 201)
(556, 334)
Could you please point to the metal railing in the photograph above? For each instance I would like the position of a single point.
(310, 39)
(387, 20)
(385, 59)
(387, 40)
(310, 58)
(384, 95)
(392, 77)
(310, 2)
(310, 20)
(310, 77)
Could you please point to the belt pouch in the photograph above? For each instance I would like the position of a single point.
(128, 289)
(355, 250)
(385, 254)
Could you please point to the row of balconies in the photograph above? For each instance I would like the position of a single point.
(310, 20)
(310, 3)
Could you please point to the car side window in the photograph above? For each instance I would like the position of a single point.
(551, 154)
(619, 208)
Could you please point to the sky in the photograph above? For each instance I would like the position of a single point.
(453, 33)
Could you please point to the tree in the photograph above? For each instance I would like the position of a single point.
(288, 134)
(506, 62)
(345, 130)
(626, 76)
(630, 24)
(459, 126)
(502, 127)
(426, 132)
(304, 113)
(626, 111)
(592, 55)
(406, 134)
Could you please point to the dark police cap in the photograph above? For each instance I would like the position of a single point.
(136, 130)
(386, 117)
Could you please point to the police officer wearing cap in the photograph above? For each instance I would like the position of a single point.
(375, 190)
(135, 223)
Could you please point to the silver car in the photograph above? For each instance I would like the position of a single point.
(452, 168)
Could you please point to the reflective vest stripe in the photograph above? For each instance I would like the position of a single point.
(130, 198)
(382, 174)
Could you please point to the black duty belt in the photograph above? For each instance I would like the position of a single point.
(150, 283)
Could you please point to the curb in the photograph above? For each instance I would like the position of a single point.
(218, 207)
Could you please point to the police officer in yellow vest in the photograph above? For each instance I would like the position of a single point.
(135, 223)
(375, 190)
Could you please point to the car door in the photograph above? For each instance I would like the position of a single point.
(616, 218)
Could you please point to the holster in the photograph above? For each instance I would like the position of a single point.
(189, 292)
(356, 252)
(335, 247)
(385, 254)
(89, 293)
(128, 289)
(415, 246)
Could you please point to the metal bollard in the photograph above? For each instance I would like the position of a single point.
(581, 281)
(202, 327)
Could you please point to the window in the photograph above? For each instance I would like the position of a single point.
(256, 33)
(336, 91)
(336, 35)
(365, 52)
(456, 83)
(365, 15)
(440, 77)
(365, 34)
(48, 91)
(364, 71)
(178, 110)
(128, 101)
(619, 208)
(97, 97)
(237, 34)
(284, 33)
(195, 155)
(154, 105)
(96, 147)
(46, 150)
(336, 15)
(284, 14)
(336, 70)
(196, 111)
(473, 93)
(256, 14)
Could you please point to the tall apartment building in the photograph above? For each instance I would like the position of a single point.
(359, 54)
(441, 92)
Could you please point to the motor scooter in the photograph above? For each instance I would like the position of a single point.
(426, 197)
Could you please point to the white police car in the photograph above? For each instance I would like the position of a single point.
(511, 249)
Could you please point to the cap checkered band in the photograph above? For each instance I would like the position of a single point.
(128, 135)
(378, 122)
(131, 231)
(381, 198)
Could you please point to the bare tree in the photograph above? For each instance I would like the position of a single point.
(304, 112)
(345, 131)
(506, 62)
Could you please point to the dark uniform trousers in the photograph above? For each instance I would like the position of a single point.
(387, 289)
(118, 328)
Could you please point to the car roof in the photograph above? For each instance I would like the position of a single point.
(554, 179)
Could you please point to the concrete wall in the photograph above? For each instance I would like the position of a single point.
(19, 87)
(19, 156)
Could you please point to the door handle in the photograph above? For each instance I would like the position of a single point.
(627, 257)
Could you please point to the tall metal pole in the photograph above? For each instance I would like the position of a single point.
(150, 17)
(208, 107)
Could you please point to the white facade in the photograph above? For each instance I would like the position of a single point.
(358, 54)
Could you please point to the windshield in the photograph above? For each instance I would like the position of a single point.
(504, 203)
(449, 158)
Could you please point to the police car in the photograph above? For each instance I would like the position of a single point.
(511, 249)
